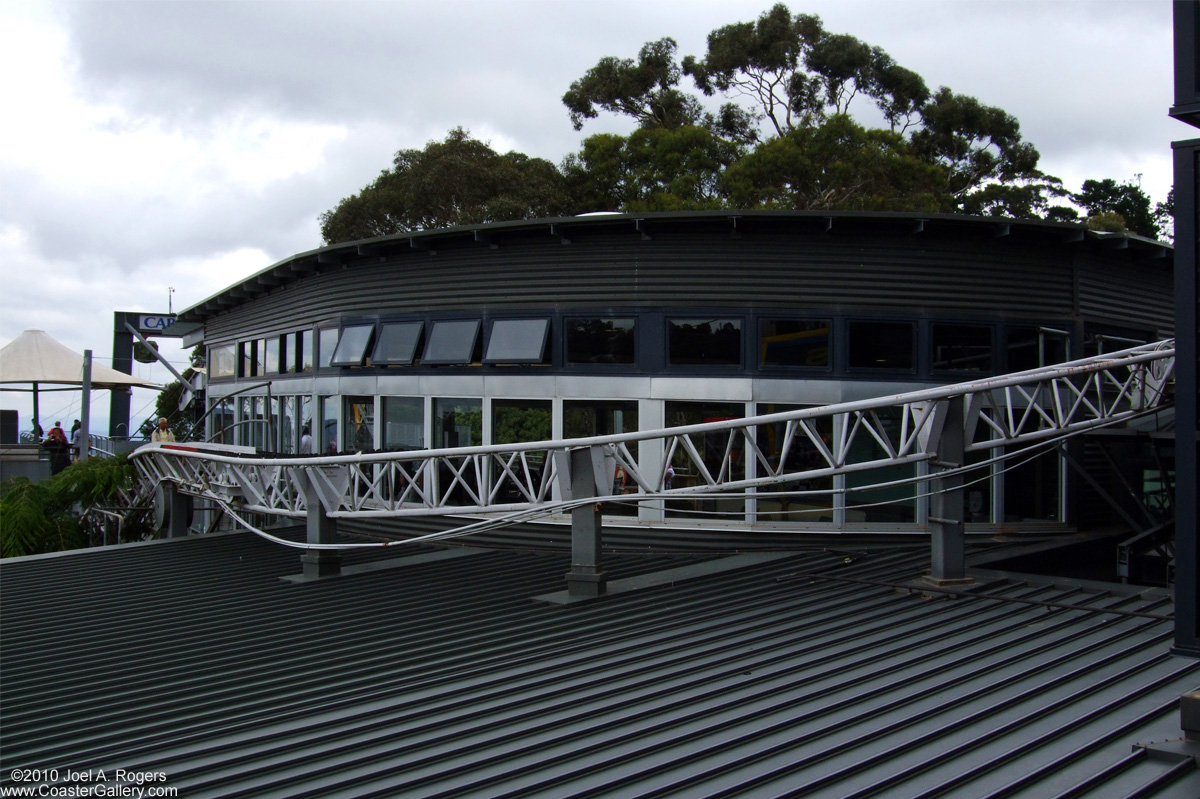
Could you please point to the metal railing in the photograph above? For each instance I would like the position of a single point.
(1007, 411)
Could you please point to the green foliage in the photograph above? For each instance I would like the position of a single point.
(515, 424)
(44, 516)
(458, 181)
(1108, 222)
(653, 169)
(837, 165)
(644, 89)
(1106, 200)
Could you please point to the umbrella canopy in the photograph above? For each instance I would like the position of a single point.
(34, 357)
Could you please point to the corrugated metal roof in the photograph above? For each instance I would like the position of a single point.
(798, 676)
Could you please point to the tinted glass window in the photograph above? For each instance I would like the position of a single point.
(962, 348)
(708, 342)
(221, 361)
(352, 346)
(328, 342)
(304, 351)
(1031, 347)
(795, 342)
(271, 361)
(517, 341)
(600, 340)
(881, 345)
(397, 343)
(452, 342)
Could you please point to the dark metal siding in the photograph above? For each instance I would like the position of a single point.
(1131, 295)
(684, 267)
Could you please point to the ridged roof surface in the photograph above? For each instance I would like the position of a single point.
(805, 675)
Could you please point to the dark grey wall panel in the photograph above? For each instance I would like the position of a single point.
(697, 265)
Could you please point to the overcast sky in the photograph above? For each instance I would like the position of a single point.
(176, 144)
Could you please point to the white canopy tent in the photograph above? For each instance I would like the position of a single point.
(36, 359)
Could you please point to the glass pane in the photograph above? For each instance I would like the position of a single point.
(1031, 347)
(397, 343)
(403, 423)
(452, 342)
(587, 418)
(795, 342)
(1031, 486)
(962, 348)
(328, 342)
(457, 422)
(600, 340)
(792, 501)
(304, 352)
(881, 345)
(352, 346)
(271, 359)
(517, 341)
(288, 433)
(306, 439)
(515, 421)
(221, 421)
(222, 361)
(329, 425)
(889, 505)
(358, 424)
(708, 342)
(712, 450)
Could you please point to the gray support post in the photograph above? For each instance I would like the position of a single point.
(586, 578)
(122, 361)
(85, 407)
(177, 502)
(321, 530)
(946, 512)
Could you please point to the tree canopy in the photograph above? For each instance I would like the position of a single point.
(785, 136)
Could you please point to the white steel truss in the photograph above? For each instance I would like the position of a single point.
(1005, 411)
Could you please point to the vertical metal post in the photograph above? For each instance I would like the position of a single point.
(1187, 389)
(122, 361)
(946, 511)
(586, 578)
(321, 530)
(85, 406)
(177, 502)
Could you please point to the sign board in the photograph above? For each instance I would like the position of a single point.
(155, 323)
(162, 325)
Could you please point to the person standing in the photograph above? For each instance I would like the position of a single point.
(162, 433)
(76, 435)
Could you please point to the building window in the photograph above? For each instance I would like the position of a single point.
(795, 342)
(271, 356)
(881, 345)
(961, 348)
(704, 342)
(600, 341)
(222, 361)
(457, 422)
(403, 423)
(712, 448)
(888, 504)
(517, 341)
(517, 421)
(808, 500)
(358, 424)
(589, 418)
(352, 346)
(328, 411)
(397, 343)
(453, 342)
(304, 351)
(327, 339)
(1031, 347)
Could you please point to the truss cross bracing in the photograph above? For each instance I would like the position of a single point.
(998, 413)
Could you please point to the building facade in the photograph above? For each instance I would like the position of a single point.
(611, 323)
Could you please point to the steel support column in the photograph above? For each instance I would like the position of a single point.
(586, 578)
(946, 511)
(321, 529)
